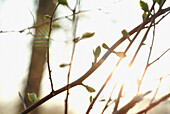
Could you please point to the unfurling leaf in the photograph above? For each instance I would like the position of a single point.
(87, 35)
(63, 2)
(33, 97)
(47, 16)
(126, 34)
(105, 46)
(120, 54)
(144, 15)
(97, 52)
(144, 6)
(91, 99)
(102, 100)
(64, 65)
(89, 89)
(159, 1)
(55, 25)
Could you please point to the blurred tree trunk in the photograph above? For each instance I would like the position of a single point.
(38, 57)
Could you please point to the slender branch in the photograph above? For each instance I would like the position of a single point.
(152, 105)
(160, 80)
(48, 40)
(140, 82)
(148, 64)
(23, 103)
(101, 89)
(94, 67)
(109, 100)
(118, 99)
(159, 57)
(140, 45)
(75, 20)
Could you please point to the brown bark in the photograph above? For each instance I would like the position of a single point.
(38, 57)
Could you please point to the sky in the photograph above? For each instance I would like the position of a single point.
(107, 24)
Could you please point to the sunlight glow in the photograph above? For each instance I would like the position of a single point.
(107, 23)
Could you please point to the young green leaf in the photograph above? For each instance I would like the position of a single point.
(97, 52)
(105, 46)
(64, 65)
(91, 99)
(55, 25)
(144, 6)
(89, 89)
(47, 16)
(126, 34)
(87, 35)
(33, 97)
(159, 1)
(144, 15)
(63, 2)
(102, 100)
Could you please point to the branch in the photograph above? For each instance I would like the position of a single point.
(75, 20)
(152, 105)
(159, 57)
(132, 103)
(105, 83)
(141, 43)
(48, 40)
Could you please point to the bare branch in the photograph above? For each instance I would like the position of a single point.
(48, 39)
(159, 57)
(74, 23)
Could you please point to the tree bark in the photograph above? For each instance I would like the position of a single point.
(38, 57)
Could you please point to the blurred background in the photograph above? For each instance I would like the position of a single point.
(107, 18)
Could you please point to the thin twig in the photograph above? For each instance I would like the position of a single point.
(75, 20)
(160, 80)
(48, 40)
(140, 45)
(47, 22)
(23, 103)
(118, 99)
(109, 100)
(101, 89)
(159, 57)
